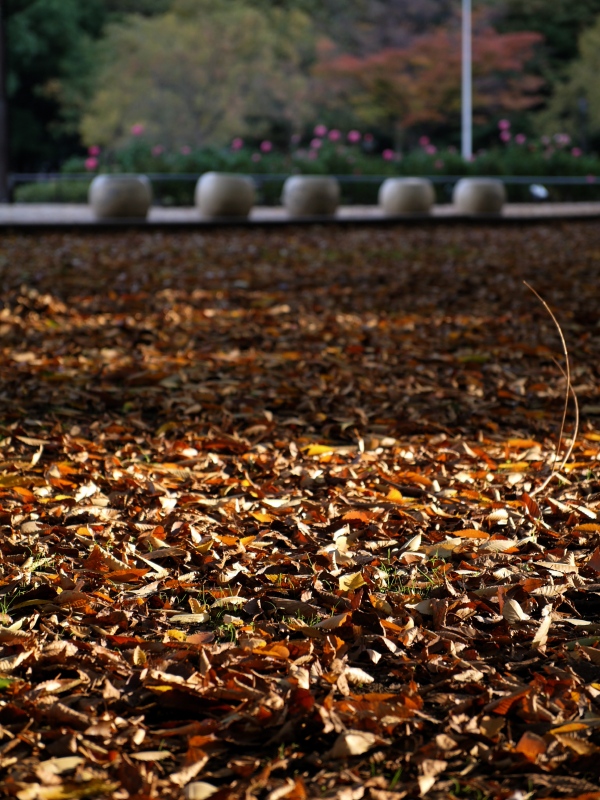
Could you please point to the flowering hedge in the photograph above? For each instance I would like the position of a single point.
(346, 153)
(331, 151)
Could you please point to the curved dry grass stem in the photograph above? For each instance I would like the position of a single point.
(570, 391)
(576, 426)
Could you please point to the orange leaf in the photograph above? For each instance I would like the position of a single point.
(127, 575)
(24, 493)
(531, 745)
(522, 444)
(358, 516)
(471, 533)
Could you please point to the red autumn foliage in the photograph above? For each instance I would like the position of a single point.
(418, 84)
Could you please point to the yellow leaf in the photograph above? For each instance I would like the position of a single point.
(262, 517)
(178, 636)
(570, 727)
(204, 547)
(515, 466)
(350, 583)
(318, 449)
(139, 657)
(395, 496)
(228, 541)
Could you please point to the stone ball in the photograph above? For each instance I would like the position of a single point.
(479, 196)
(113, 196)
(219, 194)
(406, 196)
(311, 196)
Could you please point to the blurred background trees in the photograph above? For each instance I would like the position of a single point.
(202, 73)
(194, 72)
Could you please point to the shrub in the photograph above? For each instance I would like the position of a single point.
(52, 192)
(331, 153)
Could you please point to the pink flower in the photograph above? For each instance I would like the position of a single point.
(562, 138)
(423, 141)
(94, 150)
(316, 144)
(354, 137)
(388, 155)
(320, 130)
(237, 143)
(256, 157)
(138, 129)
(158, 150)
(91, 163)
(266, 146)
(296, 139)
(576, 152)
(520, 138)
(431, 149)
(504, 124)
(185, 150)
(505, 135)
(438, 163)
(334, 135)
(591, 179)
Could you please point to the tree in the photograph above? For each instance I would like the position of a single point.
(575, 105)
(50, 64)
(560, 22)
(402, 88)
(202, 73)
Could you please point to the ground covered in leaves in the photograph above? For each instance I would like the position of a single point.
(268, 514)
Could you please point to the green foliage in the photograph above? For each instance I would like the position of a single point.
(50, 65)
(56, 191)
(48, 46)
(202, 73)
(575, 106)
(560, 22)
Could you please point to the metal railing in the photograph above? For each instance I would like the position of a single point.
(263, 180)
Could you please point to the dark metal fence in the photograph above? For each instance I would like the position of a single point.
(178, 188)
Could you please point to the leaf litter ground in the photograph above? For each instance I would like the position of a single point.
(268, 514)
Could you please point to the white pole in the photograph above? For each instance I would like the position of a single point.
(467, 82)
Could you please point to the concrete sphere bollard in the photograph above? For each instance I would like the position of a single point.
(479, 196)
(311, 195)
(406, 196)
(120, 196)
(219, 194)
